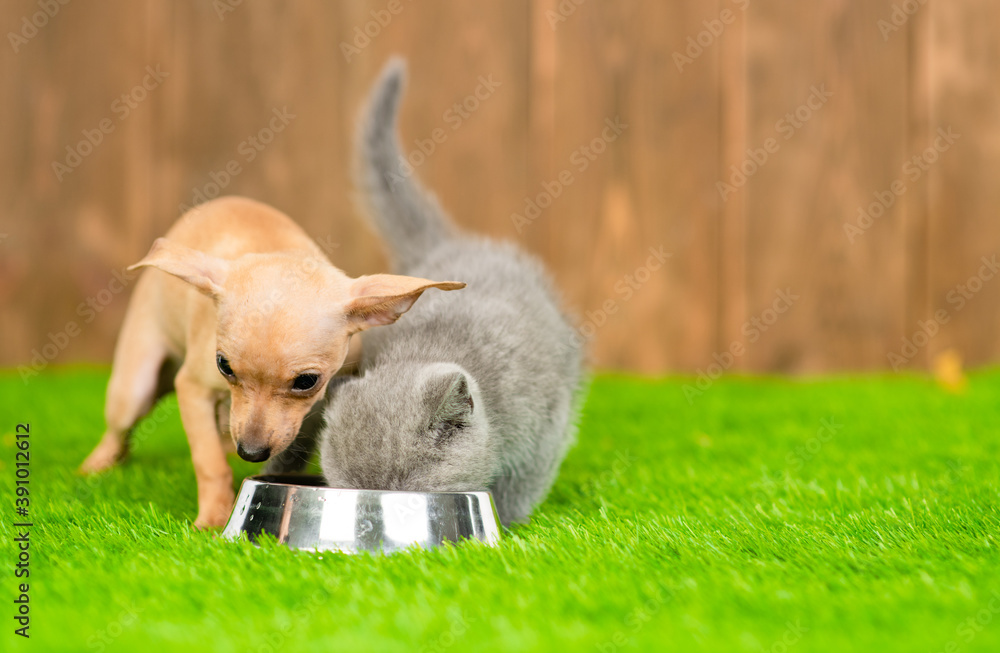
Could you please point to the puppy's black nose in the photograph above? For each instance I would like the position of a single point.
(253, 455)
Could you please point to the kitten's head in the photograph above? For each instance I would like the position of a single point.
(413, 427)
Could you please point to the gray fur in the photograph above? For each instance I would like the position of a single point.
(408, 218)
(475, 389)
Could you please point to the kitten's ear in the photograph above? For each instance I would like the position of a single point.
(450, 400)
(380, 299)
(204, 272)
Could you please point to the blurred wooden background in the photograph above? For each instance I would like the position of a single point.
(563, 68)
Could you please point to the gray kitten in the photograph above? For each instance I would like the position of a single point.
(476, 389)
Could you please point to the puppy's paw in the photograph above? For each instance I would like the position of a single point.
(214, 513)
(213, 522)
(107, 454)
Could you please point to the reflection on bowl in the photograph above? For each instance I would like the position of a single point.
(302, 513)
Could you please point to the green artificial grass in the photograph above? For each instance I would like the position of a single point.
(844, 514)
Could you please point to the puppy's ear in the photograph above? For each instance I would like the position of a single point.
(204, 272)
(380, 299)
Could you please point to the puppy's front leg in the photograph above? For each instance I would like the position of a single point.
(215, 478)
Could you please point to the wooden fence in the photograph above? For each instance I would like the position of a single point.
(767, 185)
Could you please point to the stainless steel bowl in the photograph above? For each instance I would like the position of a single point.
(304, 514)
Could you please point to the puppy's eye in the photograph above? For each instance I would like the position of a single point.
(305, 381)
(223, 364)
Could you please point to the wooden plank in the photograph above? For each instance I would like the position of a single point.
(732, 294)
(829, 163)
(651, 188)
(72, 228)
(964, 193)
(916, 203)
(257, 63)
(454, 51)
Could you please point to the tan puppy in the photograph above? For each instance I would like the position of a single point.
(254, 312)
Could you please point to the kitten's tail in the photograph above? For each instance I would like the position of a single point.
(405, 214)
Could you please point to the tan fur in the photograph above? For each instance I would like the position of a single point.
(242, 279)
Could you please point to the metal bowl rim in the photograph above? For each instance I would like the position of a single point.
(260, 479)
